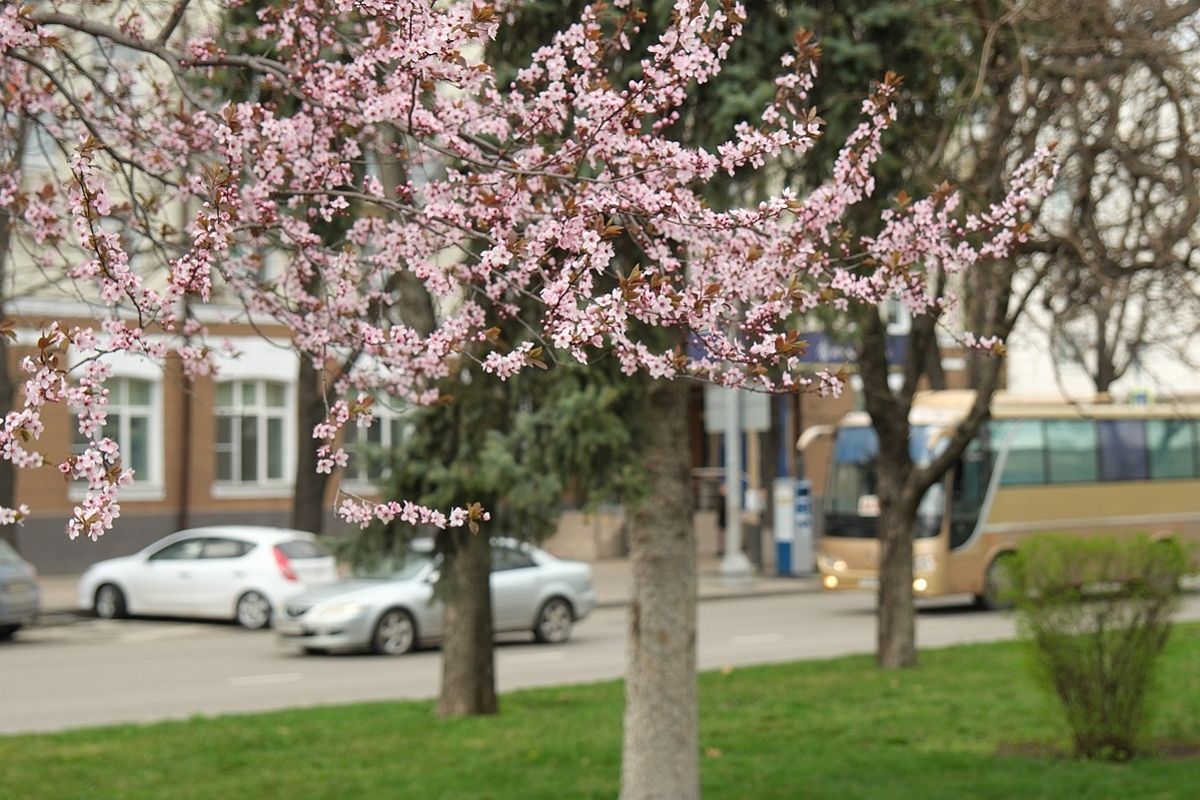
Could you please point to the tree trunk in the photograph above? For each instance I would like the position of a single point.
(468, 670)
(308, 501)
(660, 760)
(896, 614)
(8, 476)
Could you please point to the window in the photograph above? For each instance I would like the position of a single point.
(1172, 445)
(300, 549)
(132, 424)
(969, 489)
(506, 558)
(188, 548)
(1026, 443)
(226, 548)
(1123, 450)
(369, 450)
(252, 445)
(1071, 450)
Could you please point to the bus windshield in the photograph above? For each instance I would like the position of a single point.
(853, 502)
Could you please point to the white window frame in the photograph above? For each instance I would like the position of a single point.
(146, 486)
(392, 427)
(262, 486)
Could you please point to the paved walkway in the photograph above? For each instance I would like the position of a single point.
(612, 580)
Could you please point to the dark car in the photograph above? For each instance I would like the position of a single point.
(18, 591)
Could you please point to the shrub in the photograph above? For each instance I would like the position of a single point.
(1097, 613)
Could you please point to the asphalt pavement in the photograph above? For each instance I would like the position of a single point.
(106, 671)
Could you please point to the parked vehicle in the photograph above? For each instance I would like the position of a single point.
(393, 611)
(19, 597)
(242, 572)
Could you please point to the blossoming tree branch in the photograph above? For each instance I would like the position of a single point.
(507, 194)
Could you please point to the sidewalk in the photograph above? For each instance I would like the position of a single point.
(611, 577)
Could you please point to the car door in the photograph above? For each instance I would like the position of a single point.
(219, 576)
(514, 584)
(163, 583)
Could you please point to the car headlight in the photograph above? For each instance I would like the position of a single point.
(338, 610)
(924, 562)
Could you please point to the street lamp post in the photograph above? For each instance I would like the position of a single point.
(735, 567)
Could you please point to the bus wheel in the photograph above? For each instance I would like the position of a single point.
(997, 583)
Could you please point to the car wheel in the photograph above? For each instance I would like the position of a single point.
(997, 585)
(395, 633)
(253, 611)
(6, 631)
(554, 621)
(109, 602)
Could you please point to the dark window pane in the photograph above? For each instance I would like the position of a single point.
(1071, 448)
(1123, 450)
(138, 447)
(188, 548)
(968, 491)
(1026, 444)
(138, 393)
(249, 452)
(300, 548)
(505, 558)
(274, 448)
(225, 394)
(249, 393)
(1171, 447)
(226, 548)
(275, 395)
(225, 431)
(352, 444)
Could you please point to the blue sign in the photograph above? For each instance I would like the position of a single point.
(822, 349)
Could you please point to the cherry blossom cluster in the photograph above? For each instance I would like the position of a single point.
(373, 140)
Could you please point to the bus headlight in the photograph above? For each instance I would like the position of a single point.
(924, 562)
(833, 564)
(830, 582)
(920, 585)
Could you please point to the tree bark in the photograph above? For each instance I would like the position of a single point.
(896, 644)
(308, 500)
(468, 668)
(8, 476)
(660, 759)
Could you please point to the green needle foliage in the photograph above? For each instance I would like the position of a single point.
(1097, 614)
(523, 448)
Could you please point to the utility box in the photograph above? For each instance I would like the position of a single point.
(794, 547)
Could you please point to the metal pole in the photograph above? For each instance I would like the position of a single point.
(735, 567)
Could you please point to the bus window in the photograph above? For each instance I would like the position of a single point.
(1123, 450)
(971, 475)
(1026, 443)
(1172, 447)
(1071, 450)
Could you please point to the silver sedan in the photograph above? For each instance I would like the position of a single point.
(531, 591)
(18, 591)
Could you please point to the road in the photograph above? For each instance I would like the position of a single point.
(100, 671)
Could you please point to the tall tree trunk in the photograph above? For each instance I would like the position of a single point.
(8, 476)
(468, 668)
(308, 500)
(660, 759)
(896, 644)
(895, 624)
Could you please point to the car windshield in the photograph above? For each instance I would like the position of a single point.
(398, 568)
(7, 554)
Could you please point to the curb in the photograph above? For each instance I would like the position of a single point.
(746, 595)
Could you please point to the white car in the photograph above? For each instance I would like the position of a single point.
(393, 612)
(239, 572)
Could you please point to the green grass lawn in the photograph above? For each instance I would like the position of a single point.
(836, 728)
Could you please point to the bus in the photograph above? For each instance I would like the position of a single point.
(1036, 466)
